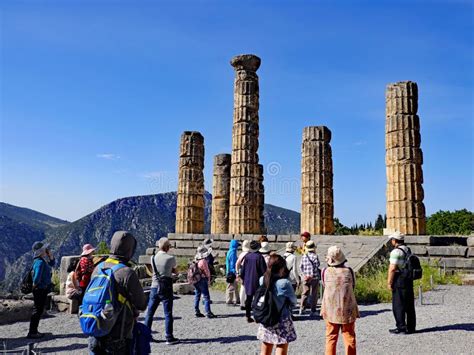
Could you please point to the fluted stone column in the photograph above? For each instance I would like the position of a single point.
(317, 202)
(261, 200)
(220, 194)
(190, 203)
(403, 159)
(244, 210)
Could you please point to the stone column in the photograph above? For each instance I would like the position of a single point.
(243, 210)
(261, 200)
(220, 194)
(403, 159)
(190, 203)
(317, 202)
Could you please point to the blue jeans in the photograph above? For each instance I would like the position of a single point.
(153, 303)
(202, 288)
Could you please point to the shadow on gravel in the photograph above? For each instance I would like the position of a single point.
(23, 341)
(469, 327)
(56, 349)
(222, 340)
(373, 313)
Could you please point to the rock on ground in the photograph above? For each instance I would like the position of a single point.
(445, 326)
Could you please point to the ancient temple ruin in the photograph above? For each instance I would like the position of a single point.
(220, 194)
(244, 214)
(190, 201)
(403, 159)
(317, 202)
(261, 200)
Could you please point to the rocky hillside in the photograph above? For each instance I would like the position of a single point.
(19, 229)
(147, 217)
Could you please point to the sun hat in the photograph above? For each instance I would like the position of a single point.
(254, 246)
(264, 248)
(87, 249)
(246, 245)
(335, 256)
(290, 247)
(202, 252)
(310, 246)
(397, 236)
(39, 248)
(306, 234)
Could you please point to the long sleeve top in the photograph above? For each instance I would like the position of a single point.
(42, 273)
(240, 260)
(204, 267)
(292, 267)
(310, 265)
(285, 296)
(253, 268)
(231, 257)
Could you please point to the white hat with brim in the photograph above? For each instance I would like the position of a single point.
(310, 246)
(246, 245)
(202, 252)
(264, 248)
(397, 236)
(290, 247)
(335, 256)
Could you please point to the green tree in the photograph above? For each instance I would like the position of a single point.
(379, 223)
(102, 249)
(340, 229)
(447, 222)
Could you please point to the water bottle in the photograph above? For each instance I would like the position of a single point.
(108, 311)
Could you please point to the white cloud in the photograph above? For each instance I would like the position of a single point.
(108, 156)
(361, 142)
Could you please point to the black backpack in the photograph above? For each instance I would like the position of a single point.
(413, 269)
(26, 286)
(264, 307)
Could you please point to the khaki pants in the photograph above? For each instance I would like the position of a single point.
(309, 296)
(243, 295)
(348, 334)
(232, 292)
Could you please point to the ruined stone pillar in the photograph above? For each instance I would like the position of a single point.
(261, 200)
(243, 210)
(220, 194)
(317, 202)
(403, 159)
(190, 203)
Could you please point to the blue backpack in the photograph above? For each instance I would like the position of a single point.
(101, 305)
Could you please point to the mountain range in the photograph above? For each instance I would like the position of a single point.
(147, 217)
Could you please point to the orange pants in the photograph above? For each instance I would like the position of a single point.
(348, 334)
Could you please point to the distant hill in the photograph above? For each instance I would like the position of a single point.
(19, 229)
(147, 217)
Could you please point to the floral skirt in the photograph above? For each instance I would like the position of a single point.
(281, 333)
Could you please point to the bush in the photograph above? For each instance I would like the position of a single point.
(459, 222)
(56, 281)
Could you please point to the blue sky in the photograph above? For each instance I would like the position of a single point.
(95, 95)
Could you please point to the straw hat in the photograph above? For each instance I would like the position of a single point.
(246, 245)
(335, 256)
(290, 247)
(397, 236)
(202, 252)
(87, 249)
(310, 246)
(264, 248)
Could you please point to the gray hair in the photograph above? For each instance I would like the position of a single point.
(163, 243)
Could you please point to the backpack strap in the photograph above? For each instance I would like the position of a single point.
(353, 277)
(155, 269)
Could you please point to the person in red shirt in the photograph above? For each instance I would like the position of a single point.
(85, 266)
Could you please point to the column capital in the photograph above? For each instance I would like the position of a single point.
(246, 62)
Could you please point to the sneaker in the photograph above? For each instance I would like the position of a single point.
(300, 313)
(211, 315)
(410, 331)
(250, 320)
(199, 315)
(37, 335)
(172, 341)
(313, 314)
(397, 331)
(242, 308)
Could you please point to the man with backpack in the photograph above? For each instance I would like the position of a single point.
(124, 300)
(400, 282)
(164, 265)
(309, 268)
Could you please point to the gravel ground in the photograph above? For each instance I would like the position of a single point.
(445, 326)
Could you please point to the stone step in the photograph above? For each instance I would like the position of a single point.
(451, 263)
(447, 251)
